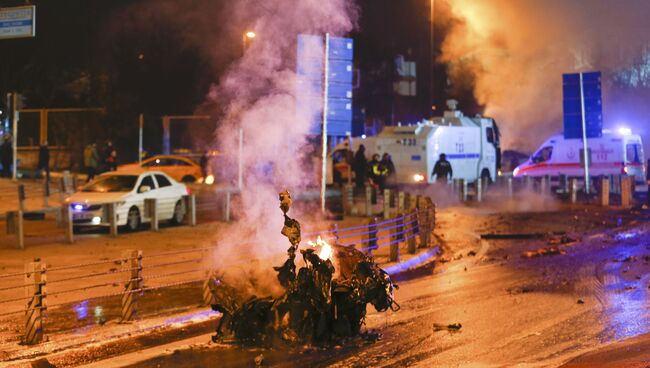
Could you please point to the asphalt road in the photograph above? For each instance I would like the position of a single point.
(515, 307)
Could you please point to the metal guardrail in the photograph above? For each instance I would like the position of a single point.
(416, 218)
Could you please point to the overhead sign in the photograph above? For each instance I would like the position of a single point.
(311, 72)
(572, 105)
(18, 22)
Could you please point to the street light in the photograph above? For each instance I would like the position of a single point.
(246, 38)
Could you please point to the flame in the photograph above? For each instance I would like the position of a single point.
(325, 249)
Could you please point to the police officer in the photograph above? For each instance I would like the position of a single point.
(442, 169)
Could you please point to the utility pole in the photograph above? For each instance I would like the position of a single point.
(432, 56)
(140, 132)
(323, 181)
(14, 135)
(585, 147)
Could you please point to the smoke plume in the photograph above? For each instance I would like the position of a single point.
(258, 95)
(515, 51)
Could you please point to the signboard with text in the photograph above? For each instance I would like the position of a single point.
(17, 22)
(311, 70)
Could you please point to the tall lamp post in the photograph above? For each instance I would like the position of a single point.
(432, 55)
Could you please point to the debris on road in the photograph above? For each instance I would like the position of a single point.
(454, 327)
(564, 239)
(259, 360)
(546, 251)
(513, 236)
(471, 253)
(315, 307)
(580, 301)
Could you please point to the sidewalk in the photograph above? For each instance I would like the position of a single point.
(182, 315)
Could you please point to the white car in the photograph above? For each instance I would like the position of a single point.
(128, 189)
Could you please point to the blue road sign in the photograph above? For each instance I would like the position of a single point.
(311, 71)
(572, 108)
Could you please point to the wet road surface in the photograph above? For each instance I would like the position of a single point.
(514, 309)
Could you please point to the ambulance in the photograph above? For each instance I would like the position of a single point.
(618, 152)
(471, 145)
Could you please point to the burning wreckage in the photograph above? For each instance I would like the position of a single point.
(315, 307)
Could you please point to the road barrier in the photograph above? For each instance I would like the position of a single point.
(129, 281)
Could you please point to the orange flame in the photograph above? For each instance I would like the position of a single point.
(325, 249)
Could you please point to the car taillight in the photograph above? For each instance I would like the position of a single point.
(188, 190)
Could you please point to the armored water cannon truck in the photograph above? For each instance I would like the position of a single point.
(471, 145)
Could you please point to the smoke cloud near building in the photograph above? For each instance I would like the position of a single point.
(514, 53)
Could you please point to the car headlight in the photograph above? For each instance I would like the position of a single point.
(209, 180)
(418, 178)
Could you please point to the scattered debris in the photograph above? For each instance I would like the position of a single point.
(546, 251)
(315, 307)
(629, 288)
(519, 290)
(564, 239)
(471, 253)
(629, 259)
(454, 327)
(259, 360)
(514, 236)
(42, 363)
(580, 301)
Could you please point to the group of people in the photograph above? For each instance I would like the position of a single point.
(379, 173)
(93, 161)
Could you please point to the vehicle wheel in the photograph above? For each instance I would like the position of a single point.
(188, 179)
(179, 213)
(485, 175)
(133, 219)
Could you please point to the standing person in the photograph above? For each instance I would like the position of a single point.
(91, 161)
(389, 168)
(360, 167)
(107, 153)
(110, 156)
(7, 152)
(373, 168)
(203, 162)
(44, 161)
(442, 169)
(379, 172)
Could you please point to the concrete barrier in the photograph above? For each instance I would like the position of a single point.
(604, 191)
(151, 211)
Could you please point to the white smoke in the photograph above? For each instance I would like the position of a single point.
(259, 95)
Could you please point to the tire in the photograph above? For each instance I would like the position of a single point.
(133, 219)
(179, 213)
(188, 179)
(485, 175)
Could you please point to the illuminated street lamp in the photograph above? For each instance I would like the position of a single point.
(246, 38)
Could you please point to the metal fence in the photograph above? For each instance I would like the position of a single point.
(53, 293)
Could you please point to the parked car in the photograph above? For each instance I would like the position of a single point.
(180, 168)
(129, 189)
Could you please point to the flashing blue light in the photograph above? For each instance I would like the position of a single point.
(78, 207)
